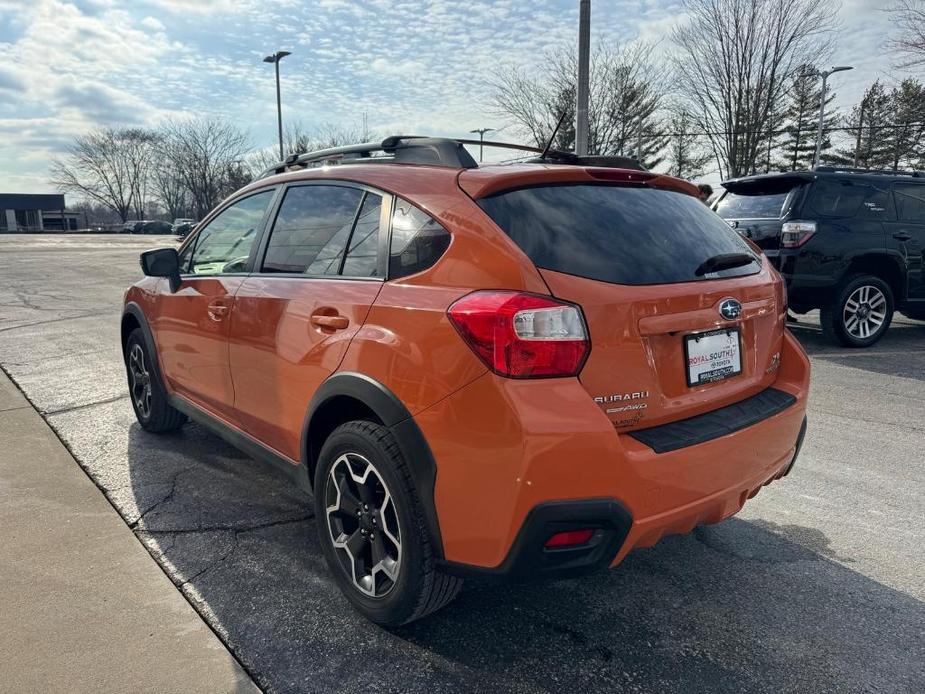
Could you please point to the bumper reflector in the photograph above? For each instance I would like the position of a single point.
(569, 538)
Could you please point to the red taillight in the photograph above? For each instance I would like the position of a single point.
(522, 335)
(569, 538)
(795, 234)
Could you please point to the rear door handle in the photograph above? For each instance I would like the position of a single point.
(902, 236)
(330, 322)
(217, 310)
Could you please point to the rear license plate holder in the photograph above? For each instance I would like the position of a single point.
(712, 356)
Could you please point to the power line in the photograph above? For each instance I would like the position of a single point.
(787, 131)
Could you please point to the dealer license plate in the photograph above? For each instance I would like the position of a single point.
(712, 356)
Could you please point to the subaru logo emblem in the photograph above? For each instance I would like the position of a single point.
(730, 309)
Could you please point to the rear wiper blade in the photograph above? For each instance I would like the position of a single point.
(724, 261)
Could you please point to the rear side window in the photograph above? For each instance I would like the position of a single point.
(418, 240)
(910, 202)
(833, 197)
(617, 234)
(312, 229)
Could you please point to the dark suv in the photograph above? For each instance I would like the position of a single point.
(847, 241)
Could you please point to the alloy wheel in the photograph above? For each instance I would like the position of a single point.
(140, 380)
(363, 524)
(864, 312)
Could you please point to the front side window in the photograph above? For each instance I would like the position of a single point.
(224, 244)
(418, 240)
(910, 202)
(312, 229)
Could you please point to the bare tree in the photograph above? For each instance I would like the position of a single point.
(733, 63)
(207, 156)
(298, 139)
(909, 42)
(168, 186)
(624, 109)
(107, 166)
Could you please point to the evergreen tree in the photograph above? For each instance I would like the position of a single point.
(906, 141)
(868, 125)
(801, 120)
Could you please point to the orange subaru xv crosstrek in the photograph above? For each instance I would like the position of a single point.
(504, 371)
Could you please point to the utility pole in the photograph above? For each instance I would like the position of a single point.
(275, 58)
(857, 142)
(639, 141)
(481, 132)
(584, 69)
(825, 76)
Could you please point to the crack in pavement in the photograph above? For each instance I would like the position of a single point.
(85, 405)
(60, 319)
(230, 528)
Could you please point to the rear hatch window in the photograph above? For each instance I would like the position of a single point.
(758, 207)
(743, 206)
(618, 234)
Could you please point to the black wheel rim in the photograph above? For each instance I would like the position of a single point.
(139, 381)
(363, 525)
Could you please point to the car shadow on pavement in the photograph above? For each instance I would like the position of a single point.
(703, 612)
(900, 352)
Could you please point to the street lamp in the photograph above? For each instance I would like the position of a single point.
(481, 132)
(275, 58)
(825, 76)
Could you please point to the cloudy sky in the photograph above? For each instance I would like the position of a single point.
(413, 65)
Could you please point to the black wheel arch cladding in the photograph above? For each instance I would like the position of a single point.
(393, 414)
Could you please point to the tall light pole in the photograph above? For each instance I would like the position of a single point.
(275, 58)
(584, 60)
(825, 76)
(481, 132)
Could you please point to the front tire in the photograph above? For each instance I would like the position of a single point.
(147, 393)
(860, 313)
(372, 529)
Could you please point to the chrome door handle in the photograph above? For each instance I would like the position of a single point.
(902, 236)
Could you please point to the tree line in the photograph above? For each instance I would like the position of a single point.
(737, 93)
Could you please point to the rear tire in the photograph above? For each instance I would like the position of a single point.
(372, 529)
(860, 312)
(147, 393)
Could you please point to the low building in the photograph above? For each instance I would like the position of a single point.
(30, 212)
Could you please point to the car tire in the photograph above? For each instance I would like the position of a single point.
(371, 527)
(146, 392)
(860, 313)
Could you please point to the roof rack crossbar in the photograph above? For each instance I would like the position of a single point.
(418, 149)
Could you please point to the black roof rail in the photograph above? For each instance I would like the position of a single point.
(880, 172)
(438, 151)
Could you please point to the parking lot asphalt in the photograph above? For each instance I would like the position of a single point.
(817, 586)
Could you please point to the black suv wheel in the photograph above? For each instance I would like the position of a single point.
(149, 398)
(861, 312)
(372, 529)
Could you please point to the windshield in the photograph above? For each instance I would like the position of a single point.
(618, 234)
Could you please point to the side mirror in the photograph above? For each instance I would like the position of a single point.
(162, 262)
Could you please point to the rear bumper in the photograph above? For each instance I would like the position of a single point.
(506, 448)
